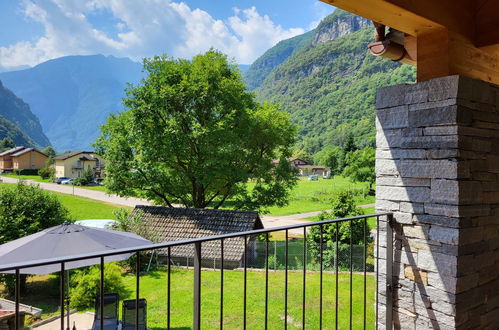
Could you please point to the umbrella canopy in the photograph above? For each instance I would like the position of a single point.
(67, 240)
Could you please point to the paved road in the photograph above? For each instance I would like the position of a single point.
(270, 221)
(93, 194)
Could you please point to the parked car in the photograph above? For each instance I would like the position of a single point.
(60, 179)
(313, 177)
(67, 181)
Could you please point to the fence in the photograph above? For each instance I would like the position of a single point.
(326, 257)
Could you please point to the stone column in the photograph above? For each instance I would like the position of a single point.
(437, 167)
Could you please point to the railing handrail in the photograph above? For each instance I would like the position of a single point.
(155, 246)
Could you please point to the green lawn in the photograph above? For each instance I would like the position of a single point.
(43, 292)
(153, 288)
(85, 208)
(309, 196)
(26, 177)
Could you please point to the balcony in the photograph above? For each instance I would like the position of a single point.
(281, 285)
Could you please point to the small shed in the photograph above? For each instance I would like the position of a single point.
(173, 224)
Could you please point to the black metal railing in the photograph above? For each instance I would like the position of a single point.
(264, 234)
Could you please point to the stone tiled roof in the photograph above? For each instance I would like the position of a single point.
(173, 224)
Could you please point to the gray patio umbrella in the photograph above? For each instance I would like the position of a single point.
(67, 240)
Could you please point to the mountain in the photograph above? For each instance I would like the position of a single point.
(328, 81)
(264, 65)
(18, 122)
(73, 95)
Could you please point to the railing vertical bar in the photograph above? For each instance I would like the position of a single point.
(101, 294)
(286, 281)
(336, 273)
(377, 271)
(18, 297)
(63, 271)
(168, 301)
(245, 279)
(351, 272)
(197, 286)
(365, 270)
(389, 271)
(137, 290)
(221, 283)
(320, 279)
(266, 279)
(304, 295)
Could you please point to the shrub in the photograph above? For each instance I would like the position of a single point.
(343, 205)
(27, 171)
(46, 172)
(85, 285)
(81, 181)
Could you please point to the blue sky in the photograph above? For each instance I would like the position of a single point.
(33, 31)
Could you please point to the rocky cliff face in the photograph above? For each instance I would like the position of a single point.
(336, 26)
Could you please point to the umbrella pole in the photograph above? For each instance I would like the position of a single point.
(67, 300)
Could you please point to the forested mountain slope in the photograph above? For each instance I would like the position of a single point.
(329, 84)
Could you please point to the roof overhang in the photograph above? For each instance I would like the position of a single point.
(465, 31)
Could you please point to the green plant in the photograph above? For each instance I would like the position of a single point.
(81, 181)
(346, 232)
(85, 285)
(46, 172)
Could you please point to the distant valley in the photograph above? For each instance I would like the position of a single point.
(325, 78)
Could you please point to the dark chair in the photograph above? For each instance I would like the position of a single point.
(128, 316)
(110, 312)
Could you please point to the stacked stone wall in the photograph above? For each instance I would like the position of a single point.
(437, 165)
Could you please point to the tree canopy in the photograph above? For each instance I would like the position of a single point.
(193, 135)
(27, 209)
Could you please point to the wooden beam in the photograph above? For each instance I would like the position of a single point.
(487, 23)
(442, 53)
(433, 55)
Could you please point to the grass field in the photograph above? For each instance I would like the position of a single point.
(153, 287)
(182, 288)
(36, 178)
(84, 208)
(309, 196)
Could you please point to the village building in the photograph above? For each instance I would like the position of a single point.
(74, 164)
(22, 158)
(304, 168)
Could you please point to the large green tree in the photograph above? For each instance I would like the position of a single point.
(193, 135)
(360, 166)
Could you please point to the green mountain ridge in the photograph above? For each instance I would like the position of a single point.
(329, 84)
(18, 122)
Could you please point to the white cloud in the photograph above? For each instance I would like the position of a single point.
(146, 28)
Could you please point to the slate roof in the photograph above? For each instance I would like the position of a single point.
(71, 154)
(172, 224)
(19, 153)
(11, 151)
